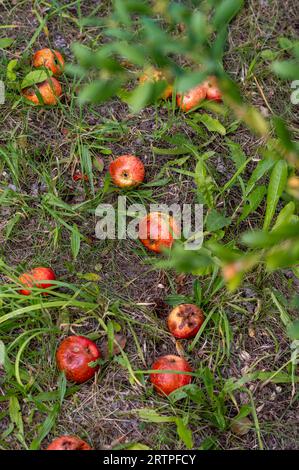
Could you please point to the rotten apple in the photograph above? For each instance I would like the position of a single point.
(212, 89)
(127, 171)
(78, 176)
(154, 75)
(74, 356)
(166, 382)
(157, 231)
(185, 320)
(49, 91)
(38, 277)
(191, 98)
(68, 443)
(50, 59)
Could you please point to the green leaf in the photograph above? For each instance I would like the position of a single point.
(226, 11)
(61, 387)
(152, 416)
(254, 199)
(269, 55)
(285, 215)
(286, 69)
(93, 277)
(213, 125)
(293, 330)
(215, 221)
(86, 163)
(10, 74)
(262, 167)
(99, 91)
(189, 80)
(15, 413)
(36, 76)
(285, 43)
(264, 238)
(45, 428)
(236, 153)
(184, 433)
(277, 184)
(5, 42)
(75, 241)
(138, 446)
(2, 354)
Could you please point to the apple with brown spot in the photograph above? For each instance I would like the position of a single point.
(50, 59)
(68, 443)
(157, 231)
(166, 382)
(212, 89)
(74, 356)
(49, 90)
(185, 320)
(127, 171)
(192, 98)
(38, 277)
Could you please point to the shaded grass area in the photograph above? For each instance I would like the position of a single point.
(40, 150)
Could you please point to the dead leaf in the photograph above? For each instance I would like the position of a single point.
(180, 349)
(241, 426)
(120, 342)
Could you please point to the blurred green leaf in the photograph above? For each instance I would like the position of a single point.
(293, 330)
(6, 42)
(226, 11)
(287, 69)
(278, 180)
(215, 221)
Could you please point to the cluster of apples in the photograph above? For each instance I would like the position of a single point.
(156, 230)
(209, 90)
(49, 90)
(77, 356)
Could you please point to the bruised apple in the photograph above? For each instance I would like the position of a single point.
(212, 89)
(185, 320)
(37, 277)
(50, 59)
(157, 231)
(78, 176)
(73, 357)
(154, 75)
(191, 98)
(68, 443)
(49, 91)
(166, 382)
(127, 171)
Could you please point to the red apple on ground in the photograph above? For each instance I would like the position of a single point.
(157, 231)
(127, 171)
(73, 357)
(165, 383)
(50, 59)
(192, 98)
(34, 277)
(50, 90)
(68, 443)
(212, 89)
(185, 320)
